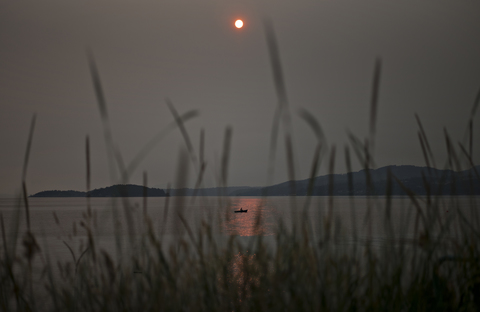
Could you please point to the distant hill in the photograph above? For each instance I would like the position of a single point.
(131, 190)
(420, 180)
(59, 194)
(119, 190)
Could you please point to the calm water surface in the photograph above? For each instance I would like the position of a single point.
(60, 221)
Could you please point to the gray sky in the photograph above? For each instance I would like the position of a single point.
(190, 52)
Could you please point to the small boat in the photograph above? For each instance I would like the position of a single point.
(241, 210)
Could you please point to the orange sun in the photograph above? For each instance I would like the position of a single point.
(239, 23)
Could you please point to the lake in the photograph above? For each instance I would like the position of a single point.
(62, 226)
(57, 222)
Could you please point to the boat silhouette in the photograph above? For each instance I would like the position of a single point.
(241, 210)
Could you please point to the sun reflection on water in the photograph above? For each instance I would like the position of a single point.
(243, 274)
(259, 220)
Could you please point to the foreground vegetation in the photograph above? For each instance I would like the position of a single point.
(438, 269)
(309, 266)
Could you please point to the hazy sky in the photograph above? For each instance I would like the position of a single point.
(190, 52)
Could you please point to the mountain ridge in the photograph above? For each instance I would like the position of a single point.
(419, 180)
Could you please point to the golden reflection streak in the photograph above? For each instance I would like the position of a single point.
(242, 269)
(259, 220)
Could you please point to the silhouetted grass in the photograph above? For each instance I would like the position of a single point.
(309, 268)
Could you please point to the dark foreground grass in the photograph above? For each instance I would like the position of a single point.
(306, 270)
(438, 270)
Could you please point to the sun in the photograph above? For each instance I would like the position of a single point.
(239, 23)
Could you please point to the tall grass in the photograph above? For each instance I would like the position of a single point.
(309, 268)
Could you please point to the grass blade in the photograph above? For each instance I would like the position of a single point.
(476, 104)
(290, 164)
(281, 111)
(102, 106)
(27, 209)
(29, 145)
(88, 174)
(374, 99)
(183, 130)
(313, 123)
(226, 155)
(425, 140)
(97, 85)
(203, 164)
